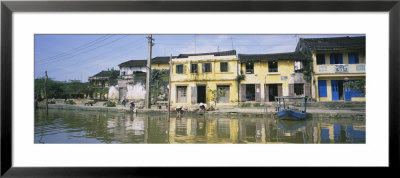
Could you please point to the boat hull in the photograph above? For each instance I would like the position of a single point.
(287, 114)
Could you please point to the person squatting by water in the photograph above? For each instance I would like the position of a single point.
(179, 111)
(202, 107)
(132, 106)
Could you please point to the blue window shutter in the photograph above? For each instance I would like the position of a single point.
(322, 88)
(356, 61)
(332, 58)
(353, 58)
(340, 58)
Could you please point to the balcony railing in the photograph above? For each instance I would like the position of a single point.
(249, 71)
(341, 68)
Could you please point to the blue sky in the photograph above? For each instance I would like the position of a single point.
(76, 57)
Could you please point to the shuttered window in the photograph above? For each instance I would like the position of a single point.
(224, 67)
(206, 67)
(291, 89)
(320, 59)
(353, 58)
(223, 94)
(193, 68)
(322, 92)
(179, 69)
(181, 94)
(336, 58)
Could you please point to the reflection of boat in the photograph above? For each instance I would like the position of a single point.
(291, 125)
(286, 112)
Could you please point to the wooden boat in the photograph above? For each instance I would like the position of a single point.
(291, 113)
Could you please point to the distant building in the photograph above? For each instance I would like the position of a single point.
(271, 75)
(132, 80)
(99, 83)
(334, 60)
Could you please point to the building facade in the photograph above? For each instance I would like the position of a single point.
(99, 83)
(335, 62)
(208, 78)
(271, 75)
(132, 80)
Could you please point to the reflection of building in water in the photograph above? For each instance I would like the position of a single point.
(337, 133)
(200, 130)
(128, 128)
(157, 130)
(355, 134)
(247, 131)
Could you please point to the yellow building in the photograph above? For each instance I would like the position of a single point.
(335, 62)
(196, 77)
(270, 75)
(161, 62)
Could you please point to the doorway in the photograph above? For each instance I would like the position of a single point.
(337, 90)
(272, 91)
(250, 92)
(201, 94)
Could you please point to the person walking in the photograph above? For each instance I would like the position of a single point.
(123, 101)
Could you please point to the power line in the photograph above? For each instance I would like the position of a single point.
(84, 46)
(79, 62)
(86, 50)
(79, 52)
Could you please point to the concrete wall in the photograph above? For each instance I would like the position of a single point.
(131, 70)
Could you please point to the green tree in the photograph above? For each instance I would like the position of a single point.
(358, 85)
(239, 78)
(113, 77)
(216, 95)
(159, 81)
(54, 89)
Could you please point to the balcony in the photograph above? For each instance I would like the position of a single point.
(340, 68)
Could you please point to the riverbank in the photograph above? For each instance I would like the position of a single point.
(317, 111)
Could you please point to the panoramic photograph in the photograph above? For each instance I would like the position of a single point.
(200, 89)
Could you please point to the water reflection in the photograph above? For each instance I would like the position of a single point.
(63, 126)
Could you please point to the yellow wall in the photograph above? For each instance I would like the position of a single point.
(160, 66)
(262, 76)
(210, 79)
(345, 56)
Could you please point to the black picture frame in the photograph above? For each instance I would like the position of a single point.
(8, 7)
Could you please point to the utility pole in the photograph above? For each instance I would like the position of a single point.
(169, 90)
(148, 73)
(45, 93)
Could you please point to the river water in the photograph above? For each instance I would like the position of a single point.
(69, 126)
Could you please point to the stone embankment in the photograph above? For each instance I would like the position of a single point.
(314, 110)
